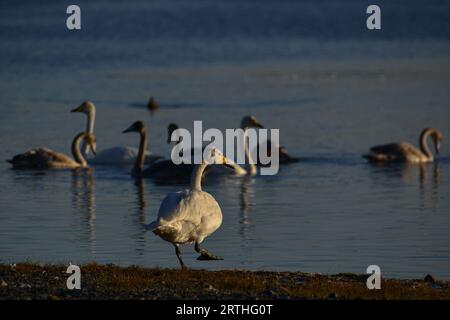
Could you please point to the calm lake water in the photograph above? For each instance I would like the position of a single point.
(311, 69)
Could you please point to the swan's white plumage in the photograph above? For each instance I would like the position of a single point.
(187, 216)
(192, 215)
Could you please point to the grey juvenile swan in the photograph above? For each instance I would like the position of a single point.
(284, 157)
(405, 152)
(44, 158)
(160, 170)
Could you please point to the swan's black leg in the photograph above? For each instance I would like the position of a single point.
(178, 253)
(205, 254)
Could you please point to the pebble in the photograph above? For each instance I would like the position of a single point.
(4, 284)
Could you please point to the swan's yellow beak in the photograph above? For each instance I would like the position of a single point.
(226, 162)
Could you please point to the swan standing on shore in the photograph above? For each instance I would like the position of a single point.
(44, 158)
(192, 215)
(111, 156)
(405, 152)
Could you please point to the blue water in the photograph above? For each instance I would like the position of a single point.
(310, 68)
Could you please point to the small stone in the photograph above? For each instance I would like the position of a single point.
(4, 284)
(429, 278)
(211, 288)
(269, 293)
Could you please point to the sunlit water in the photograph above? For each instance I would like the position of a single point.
(332, 91)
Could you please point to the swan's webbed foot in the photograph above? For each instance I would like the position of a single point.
(205, 254)
(178, 253)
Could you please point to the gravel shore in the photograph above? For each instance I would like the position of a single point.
(32, 281)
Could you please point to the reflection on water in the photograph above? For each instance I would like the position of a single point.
(425, 174)
(246, 207)
(83, 200)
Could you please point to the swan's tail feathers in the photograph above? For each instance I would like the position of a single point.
(152, 226)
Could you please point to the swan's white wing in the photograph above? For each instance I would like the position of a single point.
(187, 216)
(174, 207)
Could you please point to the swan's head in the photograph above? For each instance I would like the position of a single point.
(91, 141)
(170, 129)
(215, 156)
(250, 122)
(86, 107)
(138, 126)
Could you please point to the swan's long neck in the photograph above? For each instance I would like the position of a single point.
(140, 160)
(196, 177)
(89, 129)
(252, 165)
(424, 144)
(77, 155)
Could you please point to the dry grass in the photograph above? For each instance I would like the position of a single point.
(31, 281)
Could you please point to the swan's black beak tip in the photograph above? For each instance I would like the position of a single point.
(77, 109)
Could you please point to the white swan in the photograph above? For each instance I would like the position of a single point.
(192, 215)
(405, 152)
(112, 156)
(284, 156)
(44, 158)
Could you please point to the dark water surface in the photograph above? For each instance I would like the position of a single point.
(311, 69)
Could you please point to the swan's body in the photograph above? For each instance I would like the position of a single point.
(112, 156)
(44, 158)
(284, 156)
(192, 215)
(405, 152)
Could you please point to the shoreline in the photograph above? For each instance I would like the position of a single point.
(27, 281)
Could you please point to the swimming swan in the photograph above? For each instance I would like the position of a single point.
(160, 170)
(112, 156)
(212, 170)
(192, 215)
(44, 158)
(405, 152)
(284, 156)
